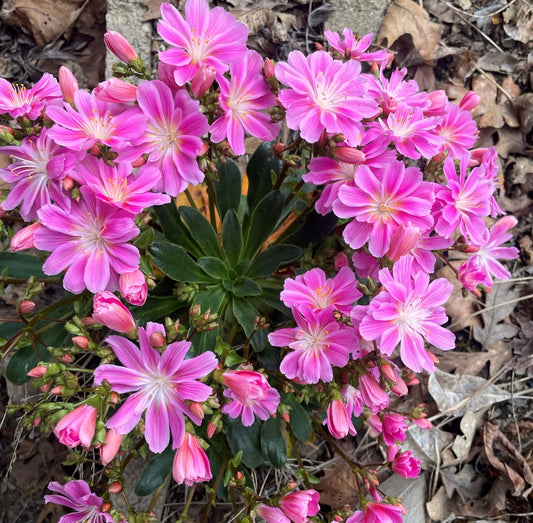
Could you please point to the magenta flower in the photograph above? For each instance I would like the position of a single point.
(354, 48)
(115, 90)
(298, 505)
(380, 205)
(312, 289)
(409, 312)
(90, 240)
(271, 514)
(111, 446)
(406, 465)
(339, 420)
(250, 394)
(317, 344)
(77, 495)
(394, 427)
(191, 464)
(210, 37)
(372, 394)
(36, 173)
(17, 100)
(133, 287)
(484, 263)
(93, 121)
(459, 131)
(241, 99)
(324, 94)
(120, 47)
(378, 513)
(118, 186)
(161, 384)
(77, 427)
(173, 136)
(111, 312)
(465, 201)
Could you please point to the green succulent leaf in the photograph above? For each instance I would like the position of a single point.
(263, 222)
(245, 313)
(214, 267)
(243, 286)
(21, 265)
(245, 439)
(300, 420)
(174, 261)
(228, 188)
(232, 237)
(203, 231)
(155, 472)
(273, 443)
(267, 262)
(259, 171)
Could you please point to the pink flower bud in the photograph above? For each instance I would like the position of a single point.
(106, 507)
(77, 427)
(394, 427)
(156, 340)
(26, 307)
(111, 446)
(211, 428)
(341, 260)
(68, 84)
(81, 341)
(120, 47)
(66, 358)
(349, 155)
(45, 388)
(399, 388)
(469, 101)
(114, 398)
(389, 105)
(392, 450)
(375, 426)
(374, 397)
(115, 90)
(38, 372)
(109, 311)
(133, 287)
(67, 183)
(279, 147)
(24, 239)
(269, 68)
(439, 103)
(202, 80)
(115, 487)
(57, 390)
(191, 464)
(423, 423)
(388, 373)
(197, 408)
(273, 514)
(406, 465)
(36, 422)
(339, 420)
(404, 239)
(139, 162)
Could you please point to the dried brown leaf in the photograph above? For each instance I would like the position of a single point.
(511, 141)
(520, 27)
(524, 106)
(519, 473)
(153, 9)
(407, 17)
(338, 485)
(487, 113)
(427, 444)
(470, 422)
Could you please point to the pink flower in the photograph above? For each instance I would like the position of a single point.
(324, 95)
(173, 135)
(465, 201)
(133, 287)
(373, 396)
(394, 427)
(68, 84)
(24, 239)
(89, 240)
(91, 122)
(115, 90)
(250, 394)
(484, 263)
(36, 173)
(378, 513)
(120, 47)
(365, 265)
(380, 206)
(77, 495)
(338, 419)
(312, 289)
(406, 465)
(317, 344)
(459, 131)
(271, 514)
(191, 464)
(109, 311)
(210, 37)
(17, 100)
(241, 99)
(111, 446)
(77, 427)
(353, 400)
(161, 383)
(300, 504)
(354, 47)
(409, 312)
(118, 186)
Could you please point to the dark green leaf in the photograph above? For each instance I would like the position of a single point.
(242, 267)
(259, 171)
(247, 439)
(264, 220)
(156, 472)
(228, 188)
(272, 442)
(214, 267)
(21, 265)
(174, 261)
(300, 421)
(175, 230)
(155, 308)
(23, 361)
(232, 237)
(243, 286)
(271, 290)
(267, 262)
(245, 313)
(203, 231)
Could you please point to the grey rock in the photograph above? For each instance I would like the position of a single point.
(361, 16)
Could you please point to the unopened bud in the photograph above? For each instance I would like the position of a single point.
(81, 341)
(68, 84)
(469, 101)
(57, 390)
(156, 340)
(269, 68)
(106, 507)
(37, 372)
(211, 429)
(26, 307)
(197, 408)
(36, 422)
(202, 80)
(66, 358)
(115, 487)
(114, 398)
(120, 47)
(349, 155)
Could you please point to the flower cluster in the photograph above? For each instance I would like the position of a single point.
(395, 166)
